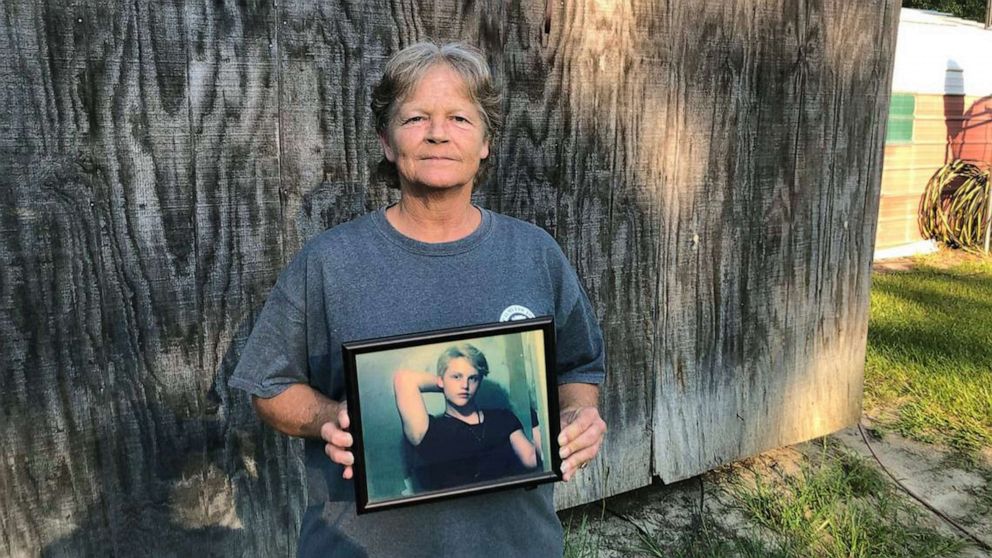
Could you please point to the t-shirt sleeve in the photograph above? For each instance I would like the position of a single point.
(275, 355)
(507, 422)
(581, 354)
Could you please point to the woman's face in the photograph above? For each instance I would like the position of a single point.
(436, 138)
(459, 382)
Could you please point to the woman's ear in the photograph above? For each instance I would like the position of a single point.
(386, 148)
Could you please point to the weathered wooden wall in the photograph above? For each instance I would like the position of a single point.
(711, 168)
(769, 204)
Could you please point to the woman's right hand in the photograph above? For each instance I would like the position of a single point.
(337, 440)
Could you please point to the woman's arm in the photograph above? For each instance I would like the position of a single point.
(303, 411)
(582, 429)
(408, 385)
(525, 450)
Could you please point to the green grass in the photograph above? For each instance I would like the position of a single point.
(838, 507)
(703, 541)
(580, 542)
(928, 372)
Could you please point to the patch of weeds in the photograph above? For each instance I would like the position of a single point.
(860, 478)
(839, 507)
(580, 542)
(876, 433)
(705, 541)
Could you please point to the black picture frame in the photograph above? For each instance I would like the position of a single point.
(529, 350)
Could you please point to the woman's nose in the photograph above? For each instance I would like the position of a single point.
(436, 133)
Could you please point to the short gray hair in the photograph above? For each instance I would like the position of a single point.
(406, 68)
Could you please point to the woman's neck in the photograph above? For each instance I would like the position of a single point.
(435, 216)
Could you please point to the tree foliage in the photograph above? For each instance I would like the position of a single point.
(967, 9)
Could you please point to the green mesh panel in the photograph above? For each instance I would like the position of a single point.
(900, 126)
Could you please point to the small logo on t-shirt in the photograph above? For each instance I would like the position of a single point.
(515, 312)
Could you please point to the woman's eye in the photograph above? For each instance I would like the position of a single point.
(461, 119)
(413, 119)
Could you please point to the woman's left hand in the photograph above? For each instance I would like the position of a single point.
(582, 432)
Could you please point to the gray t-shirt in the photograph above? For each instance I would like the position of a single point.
(363, 279)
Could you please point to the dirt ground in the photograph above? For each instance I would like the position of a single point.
(667, 512)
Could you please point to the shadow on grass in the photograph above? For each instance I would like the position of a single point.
(951, 328)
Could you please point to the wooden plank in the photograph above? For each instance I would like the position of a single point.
(601, 87)
(902, 208)
(254, 474)
(774, 193)
(899, 182)
(930, 131)
(127, 281)
(941, 106)
(897, 233)
(919, 154)
(933, 106)
(46, 215)
(328, 58)
(135, 334)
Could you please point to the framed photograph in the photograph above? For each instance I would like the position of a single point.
(447, 413)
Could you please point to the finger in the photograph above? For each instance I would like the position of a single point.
(341, 439)
(328, 430)
(569, 467)
(333, 434)
(592, 435)
(580, 458)
(338, 455)
(348, 472)
(578, 423)
(571, 430)
(343, 420)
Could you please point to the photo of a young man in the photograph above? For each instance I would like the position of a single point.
(449, 415)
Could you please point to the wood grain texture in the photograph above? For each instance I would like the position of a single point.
(770, 213)
(711, 169)
(606, 217)
(139, 198)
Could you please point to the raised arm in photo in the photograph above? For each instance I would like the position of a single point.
(408, 385)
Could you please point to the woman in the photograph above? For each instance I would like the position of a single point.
(465, 444)
(431, 261)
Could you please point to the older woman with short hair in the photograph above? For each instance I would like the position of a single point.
(431, 261)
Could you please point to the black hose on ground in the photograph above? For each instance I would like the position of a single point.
(982, 544)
